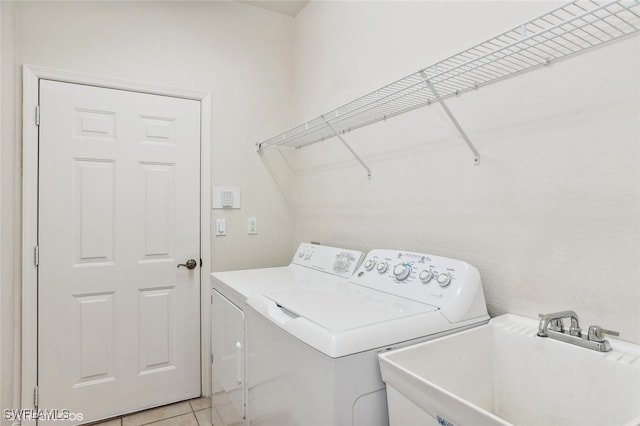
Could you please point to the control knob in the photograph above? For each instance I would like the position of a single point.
(369, 264)
(444, 280)
(425, 276)
(402, 271)
(382, 267)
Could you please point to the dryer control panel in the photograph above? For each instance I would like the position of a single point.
(439, 281)
(334, 260)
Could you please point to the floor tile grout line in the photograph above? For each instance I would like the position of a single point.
(191, 407)
(166, 418)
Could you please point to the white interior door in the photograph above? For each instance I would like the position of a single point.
(119, 209)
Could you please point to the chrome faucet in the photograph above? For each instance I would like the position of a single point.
(552, 325)
(553, 322)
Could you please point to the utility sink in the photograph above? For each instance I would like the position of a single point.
(501, 373)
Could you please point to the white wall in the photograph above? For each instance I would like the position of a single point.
(9, 210)
(550, 216)
(238, 53)
(2, 62)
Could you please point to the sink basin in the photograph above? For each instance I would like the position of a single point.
(502, 374)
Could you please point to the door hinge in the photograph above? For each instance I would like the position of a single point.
(37, 115)
(36, 255)
(35, 397)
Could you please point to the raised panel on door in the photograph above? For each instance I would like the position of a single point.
(119, 209)
(92, 338)
(94, 205)
(157, 331)
(159, 197)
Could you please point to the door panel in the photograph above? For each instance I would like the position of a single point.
(93, 333)
(94, 183)
(119, 209)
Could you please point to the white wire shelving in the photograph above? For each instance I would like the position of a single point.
(561, 33)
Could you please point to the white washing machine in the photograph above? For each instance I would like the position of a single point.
(313, 348)
(311, 264)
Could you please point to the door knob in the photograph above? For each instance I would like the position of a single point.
(189, 264)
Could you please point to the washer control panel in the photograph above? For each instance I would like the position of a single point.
(334, 260)
(421, 277)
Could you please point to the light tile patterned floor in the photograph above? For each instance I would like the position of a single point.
(195, 412)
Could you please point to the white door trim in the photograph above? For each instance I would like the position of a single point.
(31, 76)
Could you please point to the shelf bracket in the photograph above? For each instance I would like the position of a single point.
(476, 159)
(348, 147)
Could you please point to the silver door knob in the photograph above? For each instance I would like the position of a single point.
(189, 264)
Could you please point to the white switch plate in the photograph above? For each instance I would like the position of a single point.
(252, 225)
(225, 197)
(221, 227)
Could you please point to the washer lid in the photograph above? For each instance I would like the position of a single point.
(345, 307)
(341, 318)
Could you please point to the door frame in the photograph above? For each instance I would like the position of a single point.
(30, 132)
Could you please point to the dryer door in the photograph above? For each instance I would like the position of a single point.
(227, 347)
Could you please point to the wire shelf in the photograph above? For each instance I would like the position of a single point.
(570, 29)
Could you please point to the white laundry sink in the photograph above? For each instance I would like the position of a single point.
(502, 373)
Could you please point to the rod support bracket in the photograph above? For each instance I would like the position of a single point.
(476, 155)
(348, 146)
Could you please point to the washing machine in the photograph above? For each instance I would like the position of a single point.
(311, 266)
(313, 348)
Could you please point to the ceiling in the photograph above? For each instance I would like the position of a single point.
(287, 7)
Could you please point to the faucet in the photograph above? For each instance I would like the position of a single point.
(553, 322)
(552, 325)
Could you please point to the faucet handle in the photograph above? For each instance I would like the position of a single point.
(596, 333)
(556, 325)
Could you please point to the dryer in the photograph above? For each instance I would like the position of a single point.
(311, 266)
(313, 347)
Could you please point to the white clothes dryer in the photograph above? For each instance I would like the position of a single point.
(313, 347)
(311, 266)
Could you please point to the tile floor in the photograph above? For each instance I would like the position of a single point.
(194, 412)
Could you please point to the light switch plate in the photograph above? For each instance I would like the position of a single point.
(252, 226)
(221, 227)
